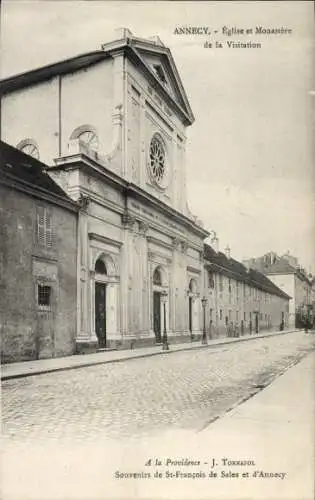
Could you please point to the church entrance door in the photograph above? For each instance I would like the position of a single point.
(157, 315)
(100, 313)
(190, 314)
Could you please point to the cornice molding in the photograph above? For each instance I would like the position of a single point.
(105, 239)
(38, 192)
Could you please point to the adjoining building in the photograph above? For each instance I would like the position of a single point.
(285, 272)
(111, 126)
(38, 242)
(241, 300)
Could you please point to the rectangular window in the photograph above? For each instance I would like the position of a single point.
(44, 227)
(210, 280)
(220, 282)
(211, 314)
(244, 290)
(220, 314)
(230, 286)
(244, 316)
(44, 295)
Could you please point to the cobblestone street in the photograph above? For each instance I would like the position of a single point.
(137, 397)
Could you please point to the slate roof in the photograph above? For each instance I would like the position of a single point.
(17, 167)
(234, 269)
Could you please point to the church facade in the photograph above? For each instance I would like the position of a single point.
(111, 126)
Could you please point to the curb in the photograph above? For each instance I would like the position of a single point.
(42, 371)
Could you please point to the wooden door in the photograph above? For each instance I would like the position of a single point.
(157, 315)
(100, 313)
(190, 314)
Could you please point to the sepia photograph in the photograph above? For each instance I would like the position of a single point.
(157, 250)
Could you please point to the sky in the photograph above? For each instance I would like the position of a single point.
(250, 152)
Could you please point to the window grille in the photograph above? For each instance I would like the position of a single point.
(44, 295)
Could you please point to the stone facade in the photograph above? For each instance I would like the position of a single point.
(111, 125)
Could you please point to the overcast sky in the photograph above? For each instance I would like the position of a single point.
(250, 161)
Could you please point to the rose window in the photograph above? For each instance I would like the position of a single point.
(157, 159)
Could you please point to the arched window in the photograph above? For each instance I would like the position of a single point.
(192, 286)
(29, 147)
(100, 267)
(87, 135)
(157, 279)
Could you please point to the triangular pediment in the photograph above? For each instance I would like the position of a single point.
(158, 59)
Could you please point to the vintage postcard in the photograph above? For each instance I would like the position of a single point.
(157, 252)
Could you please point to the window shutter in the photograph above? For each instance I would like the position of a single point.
(41, 226)
(48, 227)
(44, 228)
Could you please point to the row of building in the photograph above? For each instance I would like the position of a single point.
(98, 247)
(42, 314)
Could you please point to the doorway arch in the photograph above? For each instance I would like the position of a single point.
(105, 298)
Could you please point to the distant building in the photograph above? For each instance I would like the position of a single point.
(290, 277)
(38, 240)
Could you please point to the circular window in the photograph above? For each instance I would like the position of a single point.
(89, 138)
(157, 159)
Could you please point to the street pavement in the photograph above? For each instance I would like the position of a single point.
(39, 366)
(66, 433)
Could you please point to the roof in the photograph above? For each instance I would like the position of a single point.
(280, 266)
(236, 270)
(136, 49)
(21, 170)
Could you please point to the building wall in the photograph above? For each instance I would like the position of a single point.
(32, 113)
(232, 303)
(50, 111)
(286, 282)
(31, 331)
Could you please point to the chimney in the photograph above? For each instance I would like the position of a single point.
(156, 39)
(227, 252)
(123, 33)
(215, 243)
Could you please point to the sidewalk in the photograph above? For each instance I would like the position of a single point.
(28, 368)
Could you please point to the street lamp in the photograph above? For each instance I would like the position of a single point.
(204, 334)
(164, 337)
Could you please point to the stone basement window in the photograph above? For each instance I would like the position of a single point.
(44, 295)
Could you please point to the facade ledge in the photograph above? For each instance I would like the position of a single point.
(105, 239)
